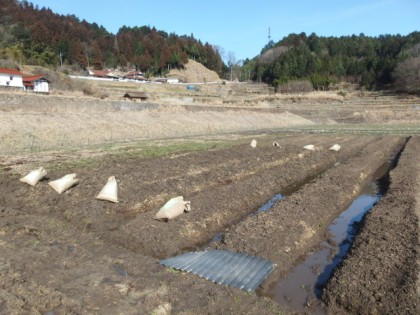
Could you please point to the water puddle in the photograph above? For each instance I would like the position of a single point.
(301, 290)
(269, 204)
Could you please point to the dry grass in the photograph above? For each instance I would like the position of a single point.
(44, 128)
(195, 72)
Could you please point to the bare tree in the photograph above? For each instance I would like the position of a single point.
(407, 75)
(407, 72)
(219, 50)
(273, 53)
(231, 61)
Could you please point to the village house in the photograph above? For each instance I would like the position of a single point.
(36, 83)
(104, 74)
(135, 96)
(11, 78)
(172, 80)
(135, 75)
(15, 79)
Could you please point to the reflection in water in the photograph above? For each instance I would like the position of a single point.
(304, 284)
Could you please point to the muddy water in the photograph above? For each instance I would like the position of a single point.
(301, 290)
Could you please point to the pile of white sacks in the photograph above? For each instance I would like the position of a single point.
(173, 208)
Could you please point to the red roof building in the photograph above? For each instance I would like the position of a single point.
(11, 78)
(37, 83)
(10, 71)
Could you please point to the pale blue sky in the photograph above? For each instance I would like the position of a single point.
(241, 26)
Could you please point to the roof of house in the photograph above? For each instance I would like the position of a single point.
(33, 78)
(135, 75)
(102, 73)
(10, 71)
(135, 95)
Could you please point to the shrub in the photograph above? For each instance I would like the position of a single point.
(296, 86)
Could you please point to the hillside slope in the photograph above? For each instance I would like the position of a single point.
(194, 72)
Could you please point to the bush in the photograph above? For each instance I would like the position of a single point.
(296, 86)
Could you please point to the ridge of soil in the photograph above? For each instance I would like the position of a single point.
(379, 274)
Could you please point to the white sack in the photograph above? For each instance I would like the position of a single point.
(276, 144)
(173, 208)
(34, 176)
(254, 143)
(309, 147)
(335, 147)
(110, 191)
(64, 183)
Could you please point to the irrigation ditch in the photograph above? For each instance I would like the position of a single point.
(301, 290)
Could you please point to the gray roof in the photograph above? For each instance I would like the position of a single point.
(236, 270)
(135, 95)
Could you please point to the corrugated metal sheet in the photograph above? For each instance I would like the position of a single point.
(224, 267)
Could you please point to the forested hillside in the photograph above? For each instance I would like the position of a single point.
(372, 62)
(38, 36)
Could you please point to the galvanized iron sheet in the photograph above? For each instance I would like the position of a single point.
(224, 267)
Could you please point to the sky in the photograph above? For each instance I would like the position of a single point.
(242, 27)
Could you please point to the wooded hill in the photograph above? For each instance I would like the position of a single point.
(37, 36)
(373, 62)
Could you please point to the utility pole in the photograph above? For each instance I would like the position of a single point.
(87, 58)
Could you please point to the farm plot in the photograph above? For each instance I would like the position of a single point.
(72, 253)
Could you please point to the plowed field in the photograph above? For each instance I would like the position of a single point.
(73, 254)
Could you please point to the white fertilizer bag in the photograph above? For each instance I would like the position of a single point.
(34, 177)
(309, 147)
(64, 183)
(110, 191)
(254, 143)
(335, 147)
(173, 208)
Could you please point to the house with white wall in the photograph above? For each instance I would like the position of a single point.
(11, 78)
(36, 83)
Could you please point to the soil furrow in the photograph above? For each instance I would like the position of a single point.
(380, 272)
(297, 224)
(217, 208)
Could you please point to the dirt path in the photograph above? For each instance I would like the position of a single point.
(381, 273)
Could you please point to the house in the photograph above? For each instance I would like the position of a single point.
(106, 74)
(36, 83)
(11, 78)
(172, 80)
(135, 75)
(135, 95)
(160, 80)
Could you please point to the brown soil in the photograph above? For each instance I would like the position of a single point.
(73, 254)
(380, 273)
